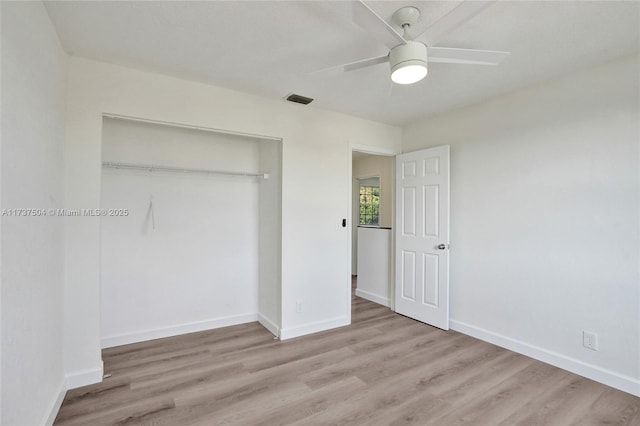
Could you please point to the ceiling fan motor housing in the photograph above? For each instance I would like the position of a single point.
(408, 57)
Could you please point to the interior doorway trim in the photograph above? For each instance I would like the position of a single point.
(373, 150)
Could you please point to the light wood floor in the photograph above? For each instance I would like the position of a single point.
(384, 369)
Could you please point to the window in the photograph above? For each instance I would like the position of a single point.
(369, 205)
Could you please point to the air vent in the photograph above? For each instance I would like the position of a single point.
(299, 99)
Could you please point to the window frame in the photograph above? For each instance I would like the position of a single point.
(363, 184)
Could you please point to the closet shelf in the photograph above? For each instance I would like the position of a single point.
(160, 168)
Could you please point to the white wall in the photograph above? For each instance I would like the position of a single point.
(374, 261)
(270, 237)
(545, 201)
(194, 264)
(33, 95)
(316, 158)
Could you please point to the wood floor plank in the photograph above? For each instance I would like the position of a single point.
(565, 400)
(259, 407)
(439, 395)
(308, 346)
(184, 341)
(399, 335)
(288, 372)
(384, 369)
(188, 377)
(224, 397)
(417, 355)
(302, 409)
(159, 362)
(370, 365)
(88, 399)
(612, 407)
(422, 392)
(499, 402)
(134, 411)
(370, 352)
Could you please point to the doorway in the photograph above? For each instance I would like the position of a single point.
(372, 216)
(407, 269)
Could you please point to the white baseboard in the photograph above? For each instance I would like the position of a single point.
(312, 327)
(373, 297)
(269, 325)
(175, 330)
(55, 405)
(84, 377)
(610, 378)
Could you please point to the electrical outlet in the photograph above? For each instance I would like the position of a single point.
(299, 306)
(590, 340)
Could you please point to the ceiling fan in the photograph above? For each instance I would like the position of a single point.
(408, 57)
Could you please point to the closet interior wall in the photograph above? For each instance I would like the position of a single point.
(183, 251)
(270, 241)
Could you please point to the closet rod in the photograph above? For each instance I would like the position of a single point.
(159, 168)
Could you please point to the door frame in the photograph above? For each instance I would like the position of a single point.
(374, 150)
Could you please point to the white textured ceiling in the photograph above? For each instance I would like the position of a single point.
(271, 48)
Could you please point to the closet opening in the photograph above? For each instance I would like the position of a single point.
(195, 239)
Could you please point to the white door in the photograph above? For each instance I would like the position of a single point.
(422, 236)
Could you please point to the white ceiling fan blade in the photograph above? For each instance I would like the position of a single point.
(452, 20)
(354, 65)
(366, 63)
(372, 23)
(450, 55)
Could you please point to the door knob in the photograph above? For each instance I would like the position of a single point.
(442, 246)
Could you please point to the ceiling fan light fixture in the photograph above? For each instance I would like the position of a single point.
(408, 62)
(409, 73)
